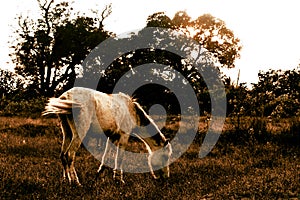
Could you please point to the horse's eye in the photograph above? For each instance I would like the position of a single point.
(166, 142)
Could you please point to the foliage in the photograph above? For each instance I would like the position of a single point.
(212, 35)
(277, 93)
(10, 84)
(17, 99)
(210, 32)
(130, 60)
(127, 63)
(49, 53)
(23, 107)
(236, 95)
(49, 50)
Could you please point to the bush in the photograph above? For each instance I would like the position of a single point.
(23, 108)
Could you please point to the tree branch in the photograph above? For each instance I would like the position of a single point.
(104, 14)
(46, 9)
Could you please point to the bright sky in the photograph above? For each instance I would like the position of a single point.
(269, 30)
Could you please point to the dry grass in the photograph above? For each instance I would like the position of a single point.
(241, 166)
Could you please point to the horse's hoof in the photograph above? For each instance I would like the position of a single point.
(120, 182)
(76, 184)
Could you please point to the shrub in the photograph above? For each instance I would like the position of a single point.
(25, 108)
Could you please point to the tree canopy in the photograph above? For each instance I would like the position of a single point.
(277, 93)
(210, 32)
(49, 50)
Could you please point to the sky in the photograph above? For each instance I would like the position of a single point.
(269, 30)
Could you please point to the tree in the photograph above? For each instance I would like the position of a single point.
(49, 51)
(10, 84)
(181, 22)
(159, 19)
(212, 34)
(209, 31)
(277, 93)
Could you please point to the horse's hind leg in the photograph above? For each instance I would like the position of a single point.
(81, 128)
(67, 137)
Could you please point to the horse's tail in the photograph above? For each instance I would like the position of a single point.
(60, 106)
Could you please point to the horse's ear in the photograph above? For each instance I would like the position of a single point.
(142, 120)
(166, 142)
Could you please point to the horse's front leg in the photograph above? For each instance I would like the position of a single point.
(121, 145)
(118, 172)
(102, 167)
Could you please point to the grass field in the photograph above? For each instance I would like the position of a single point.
(242, 165)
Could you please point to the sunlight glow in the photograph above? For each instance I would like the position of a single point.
(267, 29)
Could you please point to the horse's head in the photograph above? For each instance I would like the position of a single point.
(159, 160)
(158, 146)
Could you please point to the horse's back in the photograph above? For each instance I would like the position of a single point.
(114, 111)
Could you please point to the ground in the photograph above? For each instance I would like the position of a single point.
(239, 167)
